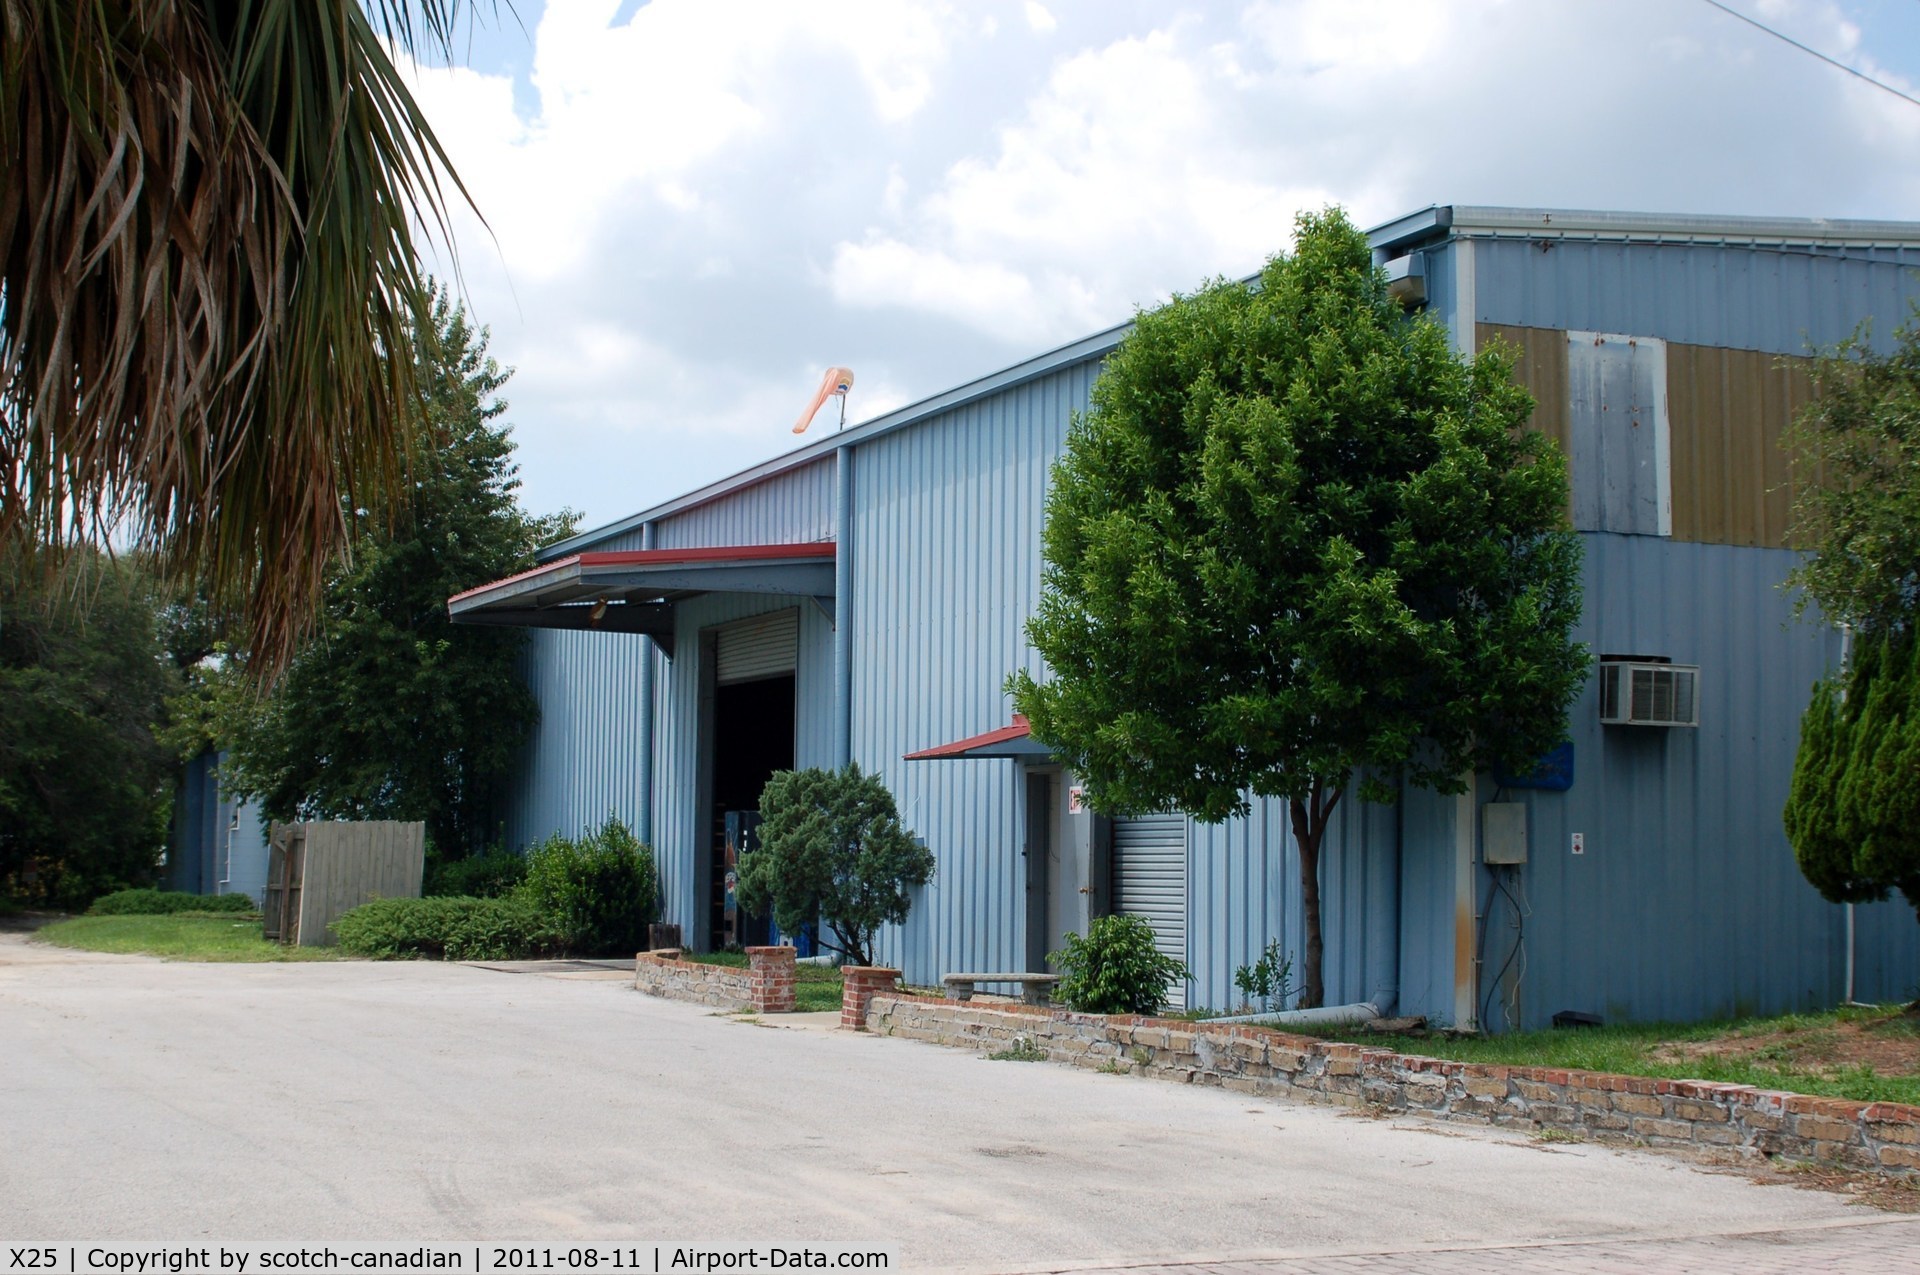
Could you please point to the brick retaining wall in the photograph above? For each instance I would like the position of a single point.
(1691, 1114)
(765, 986)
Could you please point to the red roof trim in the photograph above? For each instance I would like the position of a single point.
(559, 564)
(664, 558)
(733, 553)
(961, 747)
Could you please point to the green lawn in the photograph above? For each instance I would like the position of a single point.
(181, 936)
(815, 987)
(1869, 1055)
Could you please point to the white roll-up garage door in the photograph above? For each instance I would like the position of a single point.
(1150, 881)
(764, 646)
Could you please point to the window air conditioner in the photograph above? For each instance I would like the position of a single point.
(1634, 693)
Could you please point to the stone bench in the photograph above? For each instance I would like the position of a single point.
(1034, 988)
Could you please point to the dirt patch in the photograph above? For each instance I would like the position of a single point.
(1873, 1190)
(1887, 1041)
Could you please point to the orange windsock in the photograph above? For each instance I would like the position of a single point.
(836, 382)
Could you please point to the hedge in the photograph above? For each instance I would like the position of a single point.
(167, 902)
(454, 929)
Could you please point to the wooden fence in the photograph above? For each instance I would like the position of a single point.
(316, 871)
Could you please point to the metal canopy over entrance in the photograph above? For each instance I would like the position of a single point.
(1015, 740)
(636, 591)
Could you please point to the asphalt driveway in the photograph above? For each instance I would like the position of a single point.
(149, 1100)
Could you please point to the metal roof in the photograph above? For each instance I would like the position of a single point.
(635, 591)
(1435, 222)
(1008, 741)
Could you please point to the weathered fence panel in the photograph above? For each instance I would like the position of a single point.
(317, 871)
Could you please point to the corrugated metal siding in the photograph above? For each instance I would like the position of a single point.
(1540, 364)
(1687, 902)
(1617, 418)
(1727, 412)
(1778, 301)
(1244, 892)
(583, 761)
(791, 508)
(1732, 483)
(945, 572)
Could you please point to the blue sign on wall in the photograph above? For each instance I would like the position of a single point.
(1554, 772)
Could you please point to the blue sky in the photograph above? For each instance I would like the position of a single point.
(694, 207)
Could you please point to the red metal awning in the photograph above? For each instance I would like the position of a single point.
(1015, 740)
(635, 591)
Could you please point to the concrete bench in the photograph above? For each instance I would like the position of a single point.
(1034, 988)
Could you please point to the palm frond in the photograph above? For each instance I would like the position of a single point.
(206, 253)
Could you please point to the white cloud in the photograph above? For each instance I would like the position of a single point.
(699, 208)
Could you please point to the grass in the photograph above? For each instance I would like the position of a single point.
(815, 987)
(1022, 1050)
(180, 937)
(1868, 1055)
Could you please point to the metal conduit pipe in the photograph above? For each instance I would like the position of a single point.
(843, 606)
(649, 652)
(1326, 1016)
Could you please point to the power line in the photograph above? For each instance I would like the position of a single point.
(1752, 22)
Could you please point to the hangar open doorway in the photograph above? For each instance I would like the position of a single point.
(749, 736)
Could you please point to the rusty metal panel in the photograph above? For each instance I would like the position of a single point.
(1727, 411)
(1540, 366)
(1732, 483)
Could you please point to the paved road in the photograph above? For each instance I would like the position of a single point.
(142, 1100)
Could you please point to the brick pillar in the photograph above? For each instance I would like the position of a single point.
(861, 983)
(770, 977)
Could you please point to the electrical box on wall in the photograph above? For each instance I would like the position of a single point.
(1503, 832)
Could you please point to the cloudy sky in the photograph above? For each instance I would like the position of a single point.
(693, 207)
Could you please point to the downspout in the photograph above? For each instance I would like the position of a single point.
(842, 606)
(1352, 1015)
(649, 653)
(1846, 659)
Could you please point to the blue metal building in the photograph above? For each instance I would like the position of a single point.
(217, 845)
(863, 598)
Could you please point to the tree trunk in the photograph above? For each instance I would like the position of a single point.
(1309, 827)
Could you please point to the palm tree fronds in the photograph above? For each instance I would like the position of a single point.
(206, 255)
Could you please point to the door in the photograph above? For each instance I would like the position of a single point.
(1150, 882)
(1039, 857)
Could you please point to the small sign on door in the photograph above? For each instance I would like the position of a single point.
(1076, 800)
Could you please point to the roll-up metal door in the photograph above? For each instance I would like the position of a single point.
(1150, 881)
(764, 646)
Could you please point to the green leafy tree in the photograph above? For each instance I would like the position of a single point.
(208, 227)
(1296, 546)
(1856, 457)
(832, 849)
(392, 712)
(85, 787)
(1853, 810)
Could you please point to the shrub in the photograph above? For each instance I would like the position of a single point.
(599, 892)
(454, 929)
(167, 902)
(1115, 969)
(1266, 980)
(493, 874)
(832, 849)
